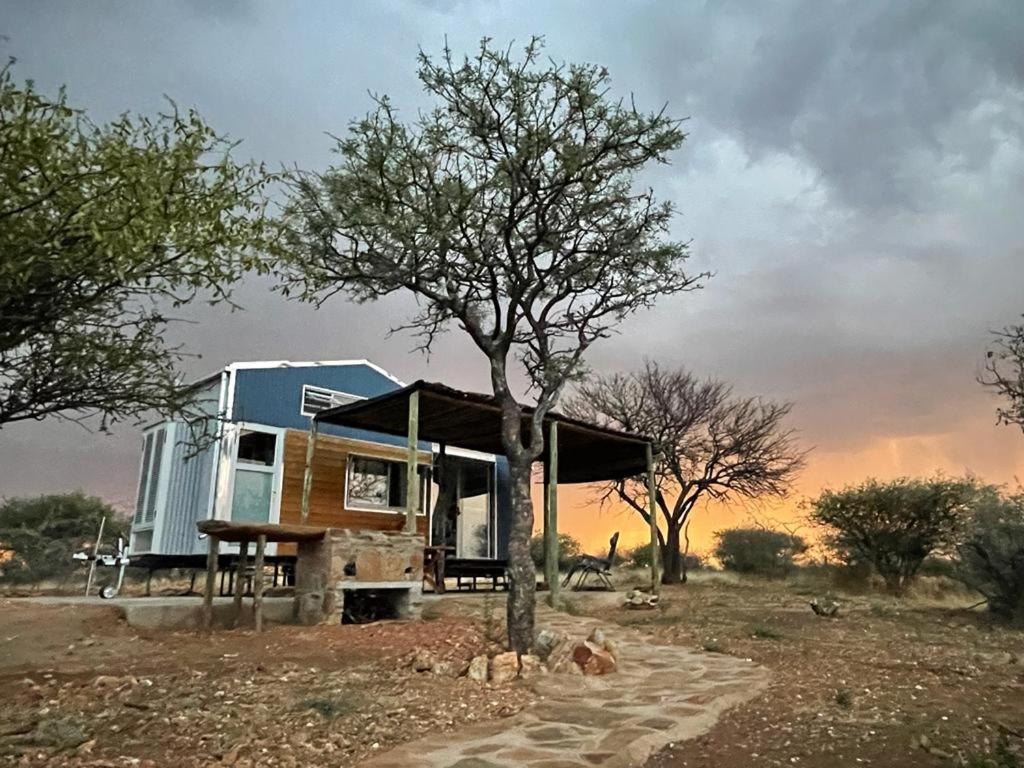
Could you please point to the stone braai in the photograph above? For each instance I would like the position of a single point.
(357, 576)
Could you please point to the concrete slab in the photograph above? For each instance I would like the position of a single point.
(173, 613)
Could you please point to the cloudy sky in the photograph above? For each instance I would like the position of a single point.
(854, 176)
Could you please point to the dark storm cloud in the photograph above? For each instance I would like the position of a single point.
(853, 176)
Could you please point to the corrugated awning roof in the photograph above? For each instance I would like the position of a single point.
(586, 452)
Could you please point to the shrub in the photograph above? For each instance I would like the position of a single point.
(568, 550)
(895, 525)
(39, 535)
(991, 555)
(758, 551)
(640, 557)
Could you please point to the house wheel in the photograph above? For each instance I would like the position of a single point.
(108, 592)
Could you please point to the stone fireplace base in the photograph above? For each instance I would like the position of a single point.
(359, 574)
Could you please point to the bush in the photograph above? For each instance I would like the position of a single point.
(568, 550)
(758, 551)
(991, 555)
(895, 525)
(39, 535)
(640, 557)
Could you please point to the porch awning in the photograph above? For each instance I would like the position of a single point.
(586, 452)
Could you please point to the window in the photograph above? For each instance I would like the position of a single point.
(316, 399)
(149, 477)
(257, 448)
(380, 484)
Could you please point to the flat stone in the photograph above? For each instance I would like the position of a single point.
(578, 715)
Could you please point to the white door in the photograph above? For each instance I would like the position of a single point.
(256, 484)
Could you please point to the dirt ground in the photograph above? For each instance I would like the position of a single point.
(920, 682)
(81, 688)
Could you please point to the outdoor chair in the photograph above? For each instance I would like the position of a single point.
(588, 565)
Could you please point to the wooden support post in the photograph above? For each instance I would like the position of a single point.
(240, 566)
(212, 553)
(307, 478)
(412, 477)
(551, 516)
(257, 582)
(652, 512)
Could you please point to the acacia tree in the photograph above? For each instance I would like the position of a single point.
(711, 444)
(510, 211)
(104, 229)
(895, 525)
(1004, 373)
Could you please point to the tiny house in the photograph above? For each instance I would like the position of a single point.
(243, 459)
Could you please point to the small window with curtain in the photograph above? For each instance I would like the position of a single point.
(380, 484)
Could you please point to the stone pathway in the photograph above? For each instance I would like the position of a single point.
(660, 694)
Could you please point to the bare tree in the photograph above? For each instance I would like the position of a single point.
(1004, 373)
(509, 210)
(711, 444)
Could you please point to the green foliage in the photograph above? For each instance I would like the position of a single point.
(895, 525)
(339, 705)
(1003, 755)
(510, 209)
(640, 557)
(758, 551)
(39, 535)
(991, 554)
(103, 230)
(843, 698)
(763, 632)
(568, 550)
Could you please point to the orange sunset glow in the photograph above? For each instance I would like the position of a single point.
(979, 447)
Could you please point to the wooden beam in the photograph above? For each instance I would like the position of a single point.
(652, 512)
(551, 516)
(212, 553)
(243, 561)
(257, 583)
(307, 478)
(412, 477)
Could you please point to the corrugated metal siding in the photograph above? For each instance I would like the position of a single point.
(273, 396)
(188, 497)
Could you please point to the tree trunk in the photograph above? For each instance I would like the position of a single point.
(671, 557)
(521, 571)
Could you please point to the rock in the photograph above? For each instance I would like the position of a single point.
(107, 682)
(422, 662)
(593, 659)
(530, 665)
(597, 637)
(825, 607)
(546, 642)
(478, 669)
(450, 668)
(504, 667)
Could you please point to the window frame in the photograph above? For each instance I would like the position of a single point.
(332, 392)
(424, 485)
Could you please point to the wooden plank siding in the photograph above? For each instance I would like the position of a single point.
(327, 494)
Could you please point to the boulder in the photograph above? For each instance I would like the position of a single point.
(593, 659)
(422, 661)
(450, 668)
(478, 669)
(504, 667)
(546, 642)
(530, 665)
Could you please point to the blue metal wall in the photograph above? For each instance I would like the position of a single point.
(273, 396)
